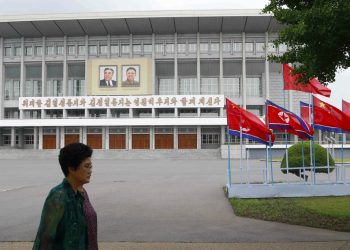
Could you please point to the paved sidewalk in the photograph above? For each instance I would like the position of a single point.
(335, 245)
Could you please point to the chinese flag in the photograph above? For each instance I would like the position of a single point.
(346, 107)
(291, 82)
(239, 119)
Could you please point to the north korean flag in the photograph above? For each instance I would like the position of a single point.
(282, 119)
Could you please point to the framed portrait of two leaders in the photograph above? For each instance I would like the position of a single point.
(108, 75)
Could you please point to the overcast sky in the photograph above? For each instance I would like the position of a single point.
(340, 89)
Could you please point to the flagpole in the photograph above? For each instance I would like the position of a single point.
(328, 140)
(228, 159)
(310, 122)
(313, 143)
(342, 156)
(303, 160)
(285, 133)
(267, 151)
(240, 160)
(271, 169)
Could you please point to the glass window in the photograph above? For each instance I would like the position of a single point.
(181, 48)
(147, 48)
(272, 47)
(114, 49)
(226, 47)
(81, 49)
(92, 50)
(7, 51)
(188, 86)
(71, 50)
(136, 49)
(29, 51)
(249, 47)
(237, 47)
(192, 47)
(50, 50)
(76, 76)
(209, 86)
(254, 87)
(210, 138)
(125, 49)
(59, 49)
(55, 88)
(214, 47)
(169, 48)
(38, 50)
(103, 49)
(12, 89)
(166, 87)
(28, 139)
(282, 48)
(33, 88)
(204, 47)
(260, 47)
(18, 51)
(231, 87)
(160, 48)
(255, 109)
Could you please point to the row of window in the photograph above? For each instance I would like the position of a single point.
(142, 49)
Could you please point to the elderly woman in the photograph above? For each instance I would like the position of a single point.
(68, 220)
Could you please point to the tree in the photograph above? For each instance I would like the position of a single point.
(317, 35)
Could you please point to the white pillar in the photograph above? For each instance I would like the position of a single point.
(35, 132)
(267, 67)
(176, 77)
(152, 139)
(62, 135)
(176, 139)
(106, 136)
(58, 137)
(86, 63)
(198, 65)
(199, 146)
(13, 137)
(129, 129)
(22, 84)
(221, 68)
(244, 74)
(40, 138)
(154, 80)
(2, 78)
(65, 68)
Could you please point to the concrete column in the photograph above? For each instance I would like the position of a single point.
(83, 133)
(199, 146)
(106, 137)
(109, 115)
(35, 132)
(198, 65)
(64, 113)
(86, 113)
(108, 46)
(221, 68)
(131, 112)
(40, 138)
(223, 134)
(176, 112)
(152, 139)
(62, 133)
(13, 137)
(153, 113)
(86, 63)
(154, 80)
(176, 77)
(22, 84)
(244, 75)
(43, 71)
(2, 78)
(198, 112)
(58, 137)
(130, 46)
(129, 138)
(176, 139)
(65, 68)
(267, 67)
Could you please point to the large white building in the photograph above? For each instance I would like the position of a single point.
(186, 62)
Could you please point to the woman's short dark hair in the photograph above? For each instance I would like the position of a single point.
(72, 155)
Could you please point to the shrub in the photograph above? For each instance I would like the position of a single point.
(295, 159)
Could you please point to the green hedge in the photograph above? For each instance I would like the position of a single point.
(295, 158)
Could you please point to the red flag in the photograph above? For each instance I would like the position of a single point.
(327, 117)
(291, 82)
(239, 119)
(283, 119)
(346, 107)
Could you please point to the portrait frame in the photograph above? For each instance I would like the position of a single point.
(137, 79)
(102, 81)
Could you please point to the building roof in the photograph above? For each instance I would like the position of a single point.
(137, 23)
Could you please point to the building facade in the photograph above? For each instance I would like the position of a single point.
(169, 73)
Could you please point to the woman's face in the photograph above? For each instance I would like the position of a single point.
(83, 173)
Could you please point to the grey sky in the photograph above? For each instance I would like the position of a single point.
(340, 89)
